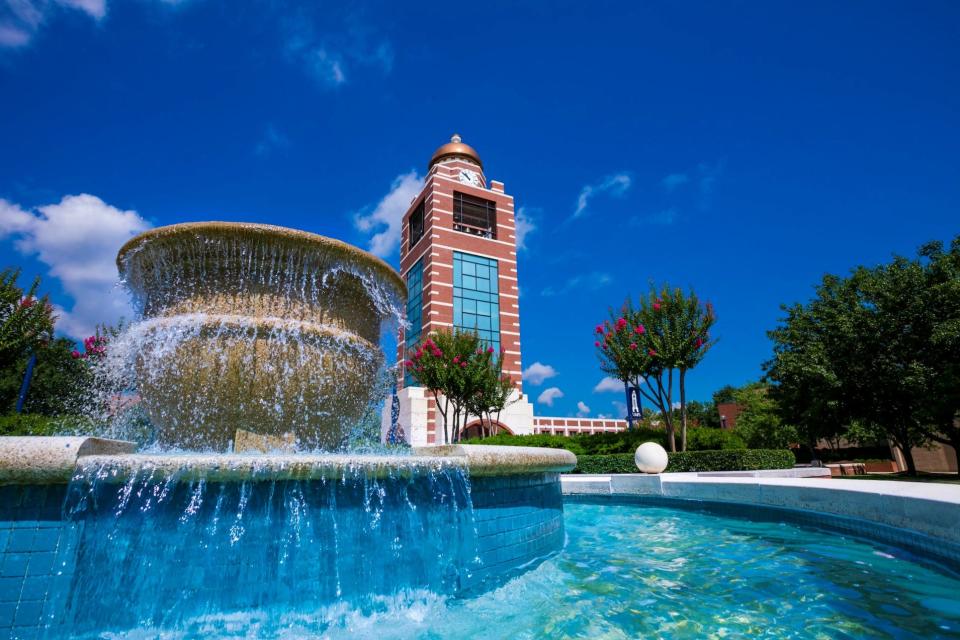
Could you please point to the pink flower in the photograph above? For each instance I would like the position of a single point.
(699, 342)
(604, 347)
(639, 330)
(463, 365)
(479, 352)
(652, 353)
(489, 349)
(418, 354)
(596, 344)
(26, 303)
(75, 354)
(633, 346)
(599, 328)
(456, 359)
(408, 363)
(656, 306)
(621, 323)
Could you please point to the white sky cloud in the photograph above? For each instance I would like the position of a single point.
(549, 395)
(389, 213)
(78, 240)
(589, 281)
(536, 373)
(24, 18)
(674, 180)
(609, 384)
(525, 226)
(582, 409)
(614, 185)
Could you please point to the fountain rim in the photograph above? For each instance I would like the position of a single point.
(356, 254)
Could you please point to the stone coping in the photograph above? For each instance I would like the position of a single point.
(929, 508)
(48, 460)
(45, 460)
(493, 460)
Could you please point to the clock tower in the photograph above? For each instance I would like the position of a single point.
(458, 256)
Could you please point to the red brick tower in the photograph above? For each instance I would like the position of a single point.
(458, 256)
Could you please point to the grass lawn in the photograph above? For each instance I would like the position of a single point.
(949, 478)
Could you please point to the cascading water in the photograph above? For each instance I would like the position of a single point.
(167, 549)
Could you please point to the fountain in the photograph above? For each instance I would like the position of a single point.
(255, 329)
(255, 354)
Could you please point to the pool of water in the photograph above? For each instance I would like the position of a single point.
(631, 571)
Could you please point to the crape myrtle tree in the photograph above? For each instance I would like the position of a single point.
(653, 345)
(465, 377)
(876, 352)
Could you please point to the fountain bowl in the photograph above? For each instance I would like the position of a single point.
(255, 329)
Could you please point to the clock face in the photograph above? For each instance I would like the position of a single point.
(469, 177)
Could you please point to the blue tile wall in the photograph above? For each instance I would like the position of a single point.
(35, 557)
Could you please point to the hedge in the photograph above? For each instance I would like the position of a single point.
(26, 424)
(620, 441)
(721, 460)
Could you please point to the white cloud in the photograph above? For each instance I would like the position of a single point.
(536, 373)
(609, 384)
(585, 281)
(273, 140)
(549, 395)
(614, 185)
(78, 240)
(582, 409)
(619, 409)
(674, 180)
(525, 226)
(389, 212)
(327, 67)
(24, 18)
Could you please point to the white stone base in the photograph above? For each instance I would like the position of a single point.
(414, 417)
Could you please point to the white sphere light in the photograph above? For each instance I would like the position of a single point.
(651, 458)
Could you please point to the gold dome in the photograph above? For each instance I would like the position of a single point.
(456, 148)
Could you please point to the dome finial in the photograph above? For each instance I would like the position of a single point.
(456, 149)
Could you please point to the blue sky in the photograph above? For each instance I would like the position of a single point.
(743, 149)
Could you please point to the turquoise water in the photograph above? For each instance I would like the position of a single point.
(637, 571)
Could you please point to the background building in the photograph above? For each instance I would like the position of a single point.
(458, 256)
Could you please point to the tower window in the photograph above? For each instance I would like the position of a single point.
(476, 299)
(414, 311)
(475, 216)
(416, 224)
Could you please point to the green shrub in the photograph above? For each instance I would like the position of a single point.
(619, 441)
(604, 464)
(535, 440)
(725, 460)
(711, 439)
(29, 424)
(731, 460)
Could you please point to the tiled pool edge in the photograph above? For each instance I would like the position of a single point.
(921, 518)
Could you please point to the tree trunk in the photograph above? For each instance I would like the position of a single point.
(683, 410)
(908, 458)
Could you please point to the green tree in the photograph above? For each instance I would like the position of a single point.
(61, 383)
(654, 345)
(26, 322)
(877, 349)
(759, 422)
(463, 375)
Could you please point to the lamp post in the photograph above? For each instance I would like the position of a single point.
(27, 376)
